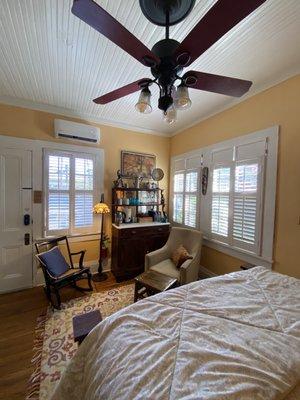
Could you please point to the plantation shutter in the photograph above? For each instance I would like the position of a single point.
(190, 199)
(69, 192)
(236, 195)
(58, 201)
(220, 201)
(247, 195)
(247, 204)
(84, 185)
(178, 197)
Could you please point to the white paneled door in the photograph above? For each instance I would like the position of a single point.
(15, 219)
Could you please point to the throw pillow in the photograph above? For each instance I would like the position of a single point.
(180, 255)
(54, 262)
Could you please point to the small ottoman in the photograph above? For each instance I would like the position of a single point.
(84, 323)
(152, 282)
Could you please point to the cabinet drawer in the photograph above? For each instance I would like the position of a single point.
(147, 231)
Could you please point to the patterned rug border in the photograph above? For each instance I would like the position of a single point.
(33, 386)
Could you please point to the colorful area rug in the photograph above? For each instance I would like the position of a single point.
(54, 344)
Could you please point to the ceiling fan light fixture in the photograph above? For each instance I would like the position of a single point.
(170, 116)
(182, 98)
(144, 103)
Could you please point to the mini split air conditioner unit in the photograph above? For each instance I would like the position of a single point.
(75, 131)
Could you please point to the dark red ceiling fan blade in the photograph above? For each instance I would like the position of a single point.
(123, 91)
(99, 19)
(223, 16)
(216, 83)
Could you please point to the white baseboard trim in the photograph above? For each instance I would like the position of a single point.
(205, 273)
(93, 265)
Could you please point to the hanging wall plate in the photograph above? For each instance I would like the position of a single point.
(157, 174)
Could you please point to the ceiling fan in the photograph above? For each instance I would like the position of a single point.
(168, 58)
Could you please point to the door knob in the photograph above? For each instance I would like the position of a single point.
(27, 239)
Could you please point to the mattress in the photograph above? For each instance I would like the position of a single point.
(235, 336)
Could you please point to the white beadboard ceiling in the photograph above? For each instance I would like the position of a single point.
(51, 60)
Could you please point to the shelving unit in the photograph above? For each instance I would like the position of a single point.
(118, 193)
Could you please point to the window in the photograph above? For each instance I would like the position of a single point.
(235, 217)
(185, 198)
(237, 211)
(70, 187)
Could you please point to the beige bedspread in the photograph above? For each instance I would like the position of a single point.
(235, 336)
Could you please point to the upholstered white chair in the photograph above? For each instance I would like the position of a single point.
(160, 260)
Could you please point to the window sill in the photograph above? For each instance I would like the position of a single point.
(242, 255)
(78, 237)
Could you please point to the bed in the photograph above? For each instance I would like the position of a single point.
(235, 336)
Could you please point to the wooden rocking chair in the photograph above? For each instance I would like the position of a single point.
(55, 281)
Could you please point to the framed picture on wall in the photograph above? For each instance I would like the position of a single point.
(137, 164)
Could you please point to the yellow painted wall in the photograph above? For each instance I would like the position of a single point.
(30, 124)
(279, 105)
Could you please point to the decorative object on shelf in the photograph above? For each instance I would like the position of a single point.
(168, 57)
(137, 181)
(137, 164)
(157, 174)
(119, 218)
(119, 182)
(162, 200)
(128, 215)
(204, 180)
(101, 208)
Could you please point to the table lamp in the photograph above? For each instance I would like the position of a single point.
(100, 208)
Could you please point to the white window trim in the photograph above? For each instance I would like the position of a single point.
(270, 173)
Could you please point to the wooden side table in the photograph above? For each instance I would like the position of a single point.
(152, 282)
(84, 323)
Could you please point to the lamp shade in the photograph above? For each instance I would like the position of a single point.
(143, 105)
(101, 208)
(182, 101)
(170, 116)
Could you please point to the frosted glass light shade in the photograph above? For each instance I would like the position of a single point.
(101, 208)
(182, 98)
(170, 116)
(144, 105)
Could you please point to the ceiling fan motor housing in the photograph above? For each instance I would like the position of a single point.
(167, 71)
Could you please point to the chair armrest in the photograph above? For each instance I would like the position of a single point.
(82, 253)
(189, 271)
(156, 257)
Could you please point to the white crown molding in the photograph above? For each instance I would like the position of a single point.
(23, 103)
(260, 89)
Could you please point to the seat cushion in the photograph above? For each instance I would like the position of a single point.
(54, 262)
(167, 267)
(74, 271)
